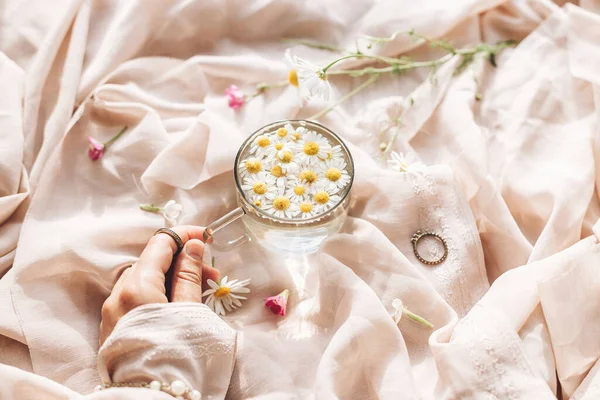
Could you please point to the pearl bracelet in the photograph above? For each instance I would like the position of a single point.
(176, 388)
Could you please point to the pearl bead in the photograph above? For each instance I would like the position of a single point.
(155, 385)
(195, 395)
(178, 388)
(98, 388)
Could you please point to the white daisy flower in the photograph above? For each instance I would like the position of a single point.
(258, 201)
(335, 173)
(223, 297)
(285, 134)
(286, 159)
(297, 190)
(308, 175)
(312, 148)
(259, 184)
(278, 206)
(335, 153)
(400, 310)
(171, 212)
(251, 166)
(305, 209)
(262, 146)
(312, 81)
(280, 176)
(299, 133)
(402, 163)
(324, 198)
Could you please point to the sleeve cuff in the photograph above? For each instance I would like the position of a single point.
(167, 342)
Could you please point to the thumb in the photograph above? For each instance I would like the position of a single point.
(186, 284)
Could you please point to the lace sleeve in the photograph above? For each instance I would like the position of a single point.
(168, 342)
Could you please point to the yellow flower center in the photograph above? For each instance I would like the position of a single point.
(281, 203)
(257, 203)
(403, 167)
(277, 172)
(322, 197)
(308, 176)
(293, 78)
(306, 207)
(278, 146)
(282, 132)
(286, 156)
(222, 292)
(296, 136)
(329, 155)
(333, 174)
(311, 148)
(263, 141)
(299, 190)
(259, 188)
(253, 166)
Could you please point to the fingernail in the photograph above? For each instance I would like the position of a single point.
(209, 236)
(195, 249)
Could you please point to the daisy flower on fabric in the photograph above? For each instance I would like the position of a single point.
(259, 185)
(171, 211)
(400, 310)
(404, 163)
(324, 198)
(262, 146)
(312, 148)
(223, 297)
(312, 81)
(335, 173)
(279, 206)
(250, 166)
(305, 209)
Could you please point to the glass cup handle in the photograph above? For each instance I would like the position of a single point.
(221, 223)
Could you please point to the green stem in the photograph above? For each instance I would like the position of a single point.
(212, 262)
(331, 64)
(395, 68)
(262, 87)
(118, 135)
(150, 208)
(357, 89)
(417, 318)
(315, 45)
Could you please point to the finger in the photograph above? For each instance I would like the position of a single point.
(124, 273)
(159, 252)
(186, 284)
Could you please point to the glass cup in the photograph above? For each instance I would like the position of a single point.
(290, 235)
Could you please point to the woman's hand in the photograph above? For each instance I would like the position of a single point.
(144, 282)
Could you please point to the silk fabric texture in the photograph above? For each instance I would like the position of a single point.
(510, 184)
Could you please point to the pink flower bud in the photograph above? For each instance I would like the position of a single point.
(277, 304)
(235, 96)
(96, 149)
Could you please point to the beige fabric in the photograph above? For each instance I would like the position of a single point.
(510, 183)
(179, 341)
